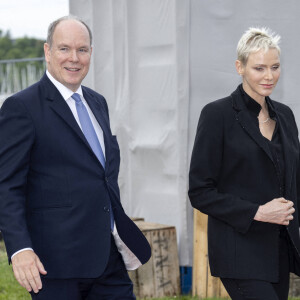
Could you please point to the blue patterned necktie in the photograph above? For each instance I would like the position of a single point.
(91, 136)
(88, 129)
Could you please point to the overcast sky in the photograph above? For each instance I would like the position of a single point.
(30, 17)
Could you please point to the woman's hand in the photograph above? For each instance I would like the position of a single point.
(278, 211)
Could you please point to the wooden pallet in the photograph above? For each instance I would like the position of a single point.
(204, 285)
(160, 276)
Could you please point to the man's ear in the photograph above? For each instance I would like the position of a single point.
(47, 52)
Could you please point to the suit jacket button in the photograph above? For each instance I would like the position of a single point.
(106, 179)
(106, 209)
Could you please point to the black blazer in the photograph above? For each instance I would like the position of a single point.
(232, 172)
(54, 193)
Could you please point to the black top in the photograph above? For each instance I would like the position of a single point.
(275, 144)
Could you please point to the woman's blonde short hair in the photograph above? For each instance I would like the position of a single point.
(255, 39)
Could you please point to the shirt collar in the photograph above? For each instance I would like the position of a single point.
(254, 106)
(64, 91)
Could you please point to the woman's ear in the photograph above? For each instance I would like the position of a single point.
(239, 67)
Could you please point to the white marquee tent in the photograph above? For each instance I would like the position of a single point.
(158, 62)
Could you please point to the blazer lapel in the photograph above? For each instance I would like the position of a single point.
(61, 108)
(287, 150)
(246, 122)
(244, 119)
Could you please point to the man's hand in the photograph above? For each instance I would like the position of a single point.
(27, 268)
(278, 211)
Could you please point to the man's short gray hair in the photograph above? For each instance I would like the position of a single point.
(53, 25)
(255, 39)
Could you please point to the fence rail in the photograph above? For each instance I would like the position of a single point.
(17, 74)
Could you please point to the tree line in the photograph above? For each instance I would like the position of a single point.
(20, 47)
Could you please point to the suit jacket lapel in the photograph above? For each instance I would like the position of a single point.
(244, 119)
(287, 150)
(61, 108)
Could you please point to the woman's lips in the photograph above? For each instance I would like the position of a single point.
(267, 86)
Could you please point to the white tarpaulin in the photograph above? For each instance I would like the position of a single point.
(158, 62)
(140, 65)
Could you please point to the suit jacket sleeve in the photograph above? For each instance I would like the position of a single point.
(298, 171)
(298, 191)
(16, 136)
(205, 172)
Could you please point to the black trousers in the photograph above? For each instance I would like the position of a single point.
(113, 284)
(244, 289)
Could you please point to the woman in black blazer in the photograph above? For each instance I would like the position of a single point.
(245, 174)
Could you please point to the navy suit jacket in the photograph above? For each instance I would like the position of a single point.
(232, 173)
(54, 193)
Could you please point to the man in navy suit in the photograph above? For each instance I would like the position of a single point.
(63, 224)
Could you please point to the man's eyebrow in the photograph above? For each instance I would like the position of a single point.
(62, 45)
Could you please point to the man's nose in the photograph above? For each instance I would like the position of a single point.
(74, 56)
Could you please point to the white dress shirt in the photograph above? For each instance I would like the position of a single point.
(130, 260)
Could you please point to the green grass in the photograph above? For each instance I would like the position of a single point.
(11, 290)
(187, 298)
(9, 287)
(196, 298)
